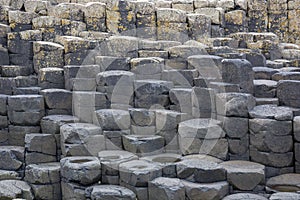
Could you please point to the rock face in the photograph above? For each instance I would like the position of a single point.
(166, 99)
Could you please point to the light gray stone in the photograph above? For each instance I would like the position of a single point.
(11, 189)
(139, 172)
(200, 171)
(110, 192)
(82, 170)
(113, 119)
(285, 182)
(241, 196)
(244, 175)
(166, 188)
(209, 191)
(46, 173)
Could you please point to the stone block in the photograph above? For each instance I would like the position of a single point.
(82, 170)
(110, 192)
(166, 188)
(57, 98)
(139, 172)
(287, 93)
(41, 143)
(113, 119)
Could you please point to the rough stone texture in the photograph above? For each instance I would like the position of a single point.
(110, 192)
(82, 170)
(244, 175)
(166, 188)
(208, 191)
(138, 173)
(283, 183)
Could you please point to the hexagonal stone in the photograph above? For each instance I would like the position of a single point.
(46, 173)
(202, 157)
(41, 143)
(285, 196)
(143, 144)
(57, 98)
(24, 103)
(265, 88)
(244, 175)
(242, 196)
(110, 192)
(200, 171)
(139, 172)
(166, 188)
(51, 124)
(12, 189)
(110, 160)
(284, 183)
(167, 161)
(113, 119)
(84, 170)
(272, 112)
(208, 191)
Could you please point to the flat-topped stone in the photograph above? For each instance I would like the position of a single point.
(110, 192)
(139, 172)
(84, 170)
(168, 161)
(200, 171)
(285, 196)
(201, 128)
(110, 160)
(143, 144)
(288, 93)
(51, 124)
(272, 112)
(209, 191)
(284, 183)
(244, 175)
(166, 188)
(45, 173)
(113, 119)
(8, 175)
(242, 196)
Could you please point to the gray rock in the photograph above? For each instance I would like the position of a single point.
(46, 173)
(52, 191)
(12, 158)
(200, 171)
(241, 196)
(167, 120)
(244, 175)
(142, 117)
(296, 127)
(82, 170)
(270, 126)
(110, 192)
(272, 112)
(51, 124)
(11, 189)
(235, 127)
(285, 196)
(209, 191)
(201, 128)
(287, 94)
(234, 104)
(271, 159)
(167, 161)
(264, 73)
(57, 98)
(238, 72)
(24, 103)
(285, 182)
(166, 188)
(112, 119)
(143, 144)
(110, 160)
(41, 143)
(8, 175)
(17, 134)
(139, 172)
(170, 15)
(265, 88)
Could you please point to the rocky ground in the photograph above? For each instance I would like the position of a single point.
(182, 99)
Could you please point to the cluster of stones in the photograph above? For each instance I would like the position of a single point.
(167, 99)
